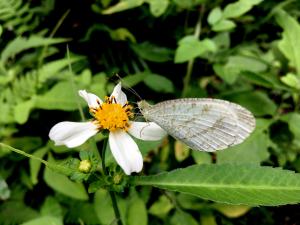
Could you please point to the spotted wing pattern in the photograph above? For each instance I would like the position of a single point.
(203, 123)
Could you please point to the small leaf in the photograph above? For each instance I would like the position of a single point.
(231, 211)
(223, 25)
(290, 42)
(161, 207)
(229, 183)
(64, 185)
(158, 7)
(35, 165)
(180, 217)
(239, 8)
(153, 53)
(214, 16)
(159, 83)
(291, 80)
(190, 47)
(123, 5)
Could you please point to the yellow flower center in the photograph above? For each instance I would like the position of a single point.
(112, 116)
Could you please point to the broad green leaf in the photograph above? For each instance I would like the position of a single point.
(257, 102)
(45, 220)
(62, 184)
(123, 5)
(214, 16)
(290, 42)
(182, 218)
(230, 183)
(291, 80)
(51, 207)
(36, 165)
(190, 47)
(153, 53)
(103, 207)
(239, 8)
(253, 150)
(158, 7)
(4, 190)
(137, 212)
(159, 83)
(223, 25)
(22, 111)
(20, 44)
(61, 97)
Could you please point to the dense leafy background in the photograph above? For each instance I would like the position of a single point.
(245, 51)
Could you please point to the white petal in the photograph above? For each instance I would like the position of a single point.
(125, 151)
(92, 100)
(147, 131)
(119, 94)
(72, 134)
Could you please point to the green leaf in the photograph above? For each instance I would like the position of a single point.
(51, 207)
(214, 16)
(4, 190)
(291, 80)
(121, 34)
(20, 44)
(60, 97)
(229, 183)
(231, 211)
(239, 8)
(45, 220)
(22, 111)
(132, 80)
(202, 157)
(161, 207)
(290, 42)
(137, 212)
(293, 120)
(182, 218)
(103, 207)
(64, 185)
(35, 165)
(159, 83)
(153, 53)
(190, 47)
(223, 25)
(123, 5)
(158, 7)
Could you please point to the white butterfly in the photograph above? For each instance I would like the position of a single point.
(201, 123)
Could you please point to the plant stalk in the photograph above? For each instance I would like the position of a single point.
(190, 65)
(111, 193)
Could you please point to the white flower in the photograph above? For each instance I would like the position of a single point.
(114, 115)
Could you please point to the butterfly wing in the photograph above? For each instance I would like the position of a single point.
(202, 123)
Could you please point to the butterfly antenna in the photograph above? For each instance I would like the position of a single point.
(127, 87)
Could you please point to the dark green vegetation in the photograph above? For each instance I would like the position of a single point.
(245, 51)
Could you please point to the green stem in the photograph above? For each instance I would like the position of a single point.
(190, 65)
(111, 193)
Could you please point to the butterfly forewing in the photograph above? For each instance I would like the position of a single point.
(203, 124)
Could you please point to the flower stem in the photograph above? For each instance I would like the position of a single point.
(190, 65)
(111, 193)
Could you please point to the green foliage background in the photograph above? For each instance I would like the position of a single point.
(245, 51)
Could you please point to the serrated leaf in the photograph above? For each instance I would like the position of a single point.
(229, 183)
(60, 97)
(20, 44)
